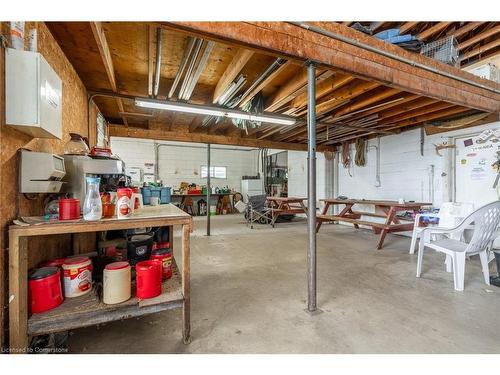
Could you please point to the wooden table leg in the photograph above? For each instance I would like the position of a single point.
(186, 288)
(325, 210)
(186, 307)
(383, 233)
(274, 216)
(18, 293)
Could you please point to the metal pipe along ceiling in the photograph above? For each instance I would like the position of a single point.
(156, 84)
(199, 69)
(194, 57)
(319, 30)
(182, 67)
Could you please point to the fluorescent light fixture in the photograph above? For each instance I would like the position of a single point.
(213, 111)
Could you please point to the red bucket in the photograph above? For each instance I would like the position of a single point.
(69, 209)
(148, 276)
(45, 289)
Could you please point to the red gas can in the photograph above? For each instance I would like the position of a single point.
(148, 279)
(45, 289)
(165, 257)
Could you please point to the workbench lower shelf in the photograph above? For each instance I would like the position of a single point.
(89, 310)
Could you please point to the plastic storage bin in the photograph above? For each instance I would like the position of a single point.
(163, 194)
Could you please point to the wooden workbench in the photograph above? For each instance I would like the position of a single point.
(286, 206)
(389, 210)
(89, 310)
(219, 196)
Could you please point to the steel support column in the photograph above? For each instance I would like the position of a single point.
(209, 189)
(311, 186)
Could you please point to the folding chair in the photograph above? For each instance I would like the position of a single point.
(257, 211)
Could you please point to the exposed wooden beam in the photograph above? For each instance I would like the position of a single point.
(233, 69)
(406, 27)
(282, 95)
(102, 45)
(434, 107)
(122, 131)
(323, 88)
(409, 122)
(387, 93)
(429, 116)
(379, 108)
(468, 27)
(482, 49)
(265, 82)
(479, 37)
(294, 42)
(427, 33)
(348, 92)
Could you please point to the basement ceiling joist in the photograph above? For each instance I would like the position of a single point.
(347, 93)
(295, 42)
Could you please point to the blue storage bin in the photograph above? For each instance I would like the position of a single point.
(163, 193)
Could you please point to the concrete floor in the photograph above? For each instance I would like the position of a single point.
(249, 292)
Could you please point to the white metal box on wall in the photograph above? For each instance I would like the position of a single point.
(33, 95)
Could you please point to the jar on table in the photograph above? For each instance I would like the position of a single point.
(92, 207)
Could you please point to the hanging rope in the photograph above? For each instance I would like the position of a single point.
(359, 158)
(346, 155)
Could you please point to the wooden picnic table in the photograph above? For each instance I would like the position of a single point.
(286, 206)
(383, 209)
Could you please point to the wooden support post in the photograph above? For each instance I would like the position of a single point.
(18, 298)
(186, 308)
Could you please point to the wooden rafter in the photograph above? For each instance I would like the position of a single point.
(346, 93)
(415, 113)
(479, 37)
(265, 82)
(102, 45)
(468, 27)
(284, 93)
(234, 68)
(427, 33)
(387, 93)
(122, 131)
(482, 49)
(429, 116)
(323, 88)
(406, 27)
(299, 44)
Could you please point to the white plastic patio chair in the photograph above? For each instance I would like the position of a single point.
(484, 223)
(450, 215)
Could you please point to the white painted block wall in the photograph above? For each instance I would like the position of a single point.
(297, 174)
(404, 173)
(181, 162)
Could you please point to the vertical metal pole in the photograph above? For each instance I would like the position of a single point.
(209, 189)
(311, 186)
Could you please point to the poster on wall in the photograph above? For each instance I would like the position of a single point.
(475, 169)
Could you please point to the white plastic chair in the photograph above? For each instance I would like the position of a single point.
(450, 215)
(484, 223)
